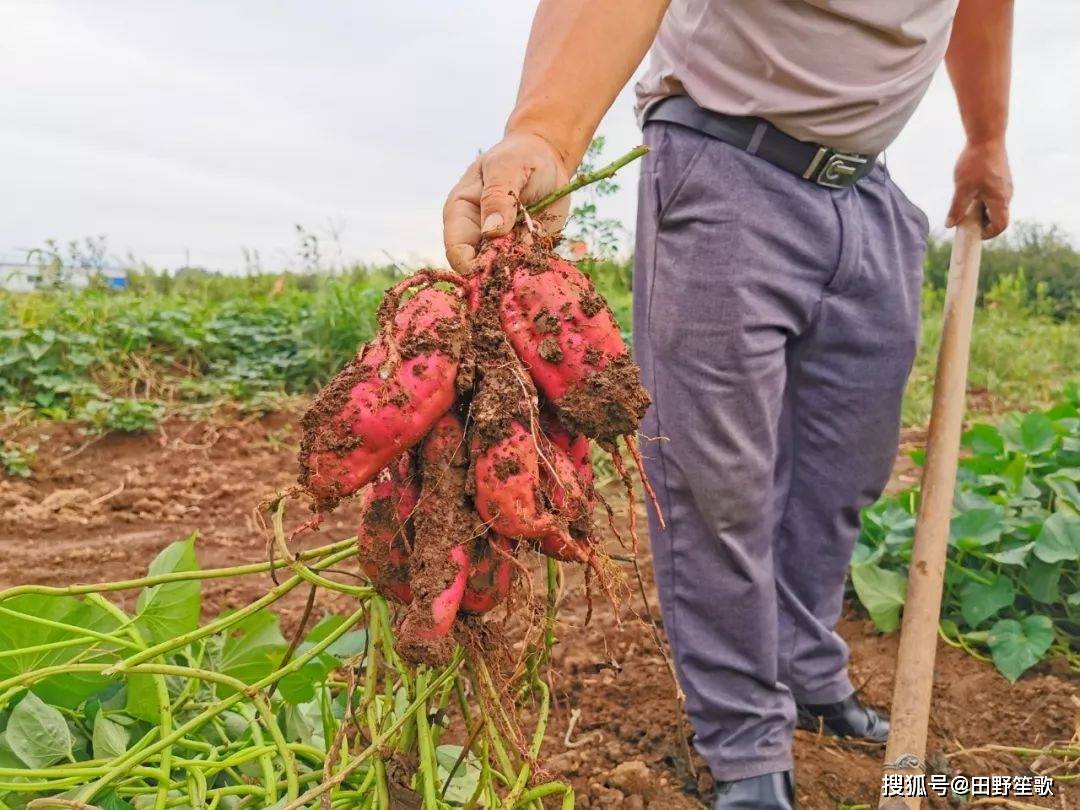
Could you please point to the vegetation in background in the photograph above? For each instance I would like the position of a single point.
(1021, 356)
(193, 339)
(1012, 581)
(1043, 255)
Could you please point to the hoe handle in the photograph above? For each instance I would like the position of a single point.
(906, 749)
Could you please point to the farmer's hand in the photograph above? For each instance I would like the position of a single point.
(982, 176)
(522, 167)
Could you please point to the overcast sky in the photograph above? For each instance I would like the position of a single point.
(209, 126)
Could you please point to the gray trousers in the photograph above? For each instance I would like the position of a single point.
(775, 322)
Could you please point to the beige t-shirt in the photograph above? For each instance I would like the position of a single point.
(844, 73)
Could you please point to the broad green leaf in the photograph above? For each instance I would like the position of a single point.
(1016, 555)
(1041, 581)
(8, 759)
(110, 738)
(467, 776)
(984, 440)
(299, 686)
(1013, 472)
(1017, 646)
(68, 689)
(1064, 485)
(1031, 433)
(1059, 539)
(881, 593)
(979, 602)
(351, 643)
(863, 553)
(37, 732)
(981, 526)
(251, 649)
(142, 700)
(111, 801)
(303, 723)
(169, 610)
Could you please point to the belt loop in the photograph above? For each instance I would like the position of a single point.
(756, 138)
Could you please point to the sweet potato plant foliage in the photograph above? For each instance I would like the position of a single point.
(1012, 581)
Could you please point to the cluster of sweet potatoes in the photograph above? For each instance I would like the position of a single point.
(465, 425)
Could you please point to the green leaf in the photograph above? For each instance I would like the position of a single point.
(303, 723)
(299, 686)
(110, 738)
(67, 689)
(1016, 555)
(142, 699)
(111, 801)
(1017, 646)
(251, 650)
(1013, 472)
(984, 440)
(1041, 581)
(466, 777)
(1059, 538)
(979, 602)
(1032, 433)
(1063, 483)
(169, 610)
(7, 756)
(351, 643)
(881, 593)
(38, 733)
(979, 526)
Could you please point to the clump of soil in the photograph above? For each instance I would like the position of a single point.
(607, 403)
(443, 519)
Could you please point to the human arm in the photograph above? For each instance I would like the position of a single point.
(580, 55)
(979, 61)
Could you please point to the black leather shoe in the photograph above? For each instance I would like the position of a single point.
(770, 791)
(849, 718)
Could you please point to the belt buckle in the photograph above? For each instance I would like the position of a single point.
(839, 169)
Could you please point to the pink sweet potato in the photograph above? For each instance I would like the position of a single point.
(568, 477)
(509, 498)
(445, 524)
(385, 400)
(563, 331)
(385, 535)
(490, 574)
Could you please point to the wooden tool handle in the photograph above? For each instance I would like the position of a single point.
(906, 749)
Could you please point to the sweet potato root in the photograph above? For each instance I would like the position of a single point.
(491, 573)
(385, 400)
(568, 478)
(527, 353)
(564, 332)
(385, 535)
(445, 525)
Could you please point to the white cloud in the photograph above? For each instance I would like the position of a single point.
(207, 127)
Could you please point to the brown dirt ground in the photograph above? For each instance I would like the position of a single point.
(101, 512)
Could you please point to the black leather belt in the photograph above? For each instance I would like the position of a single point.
(810, 161)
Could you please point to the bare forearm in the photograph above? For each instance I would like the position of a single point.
(580, 55)
(979, 60)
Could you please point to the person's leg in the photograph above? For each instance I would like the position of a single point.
(846, 379)
(732, 257)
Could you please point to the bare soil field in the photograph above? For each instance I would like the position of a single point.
(101, 511)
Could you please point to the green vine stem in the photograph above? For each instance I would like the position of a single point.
(377, 743)
(176, 576)
(588, 178)
(121, 766)
(224, 622)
